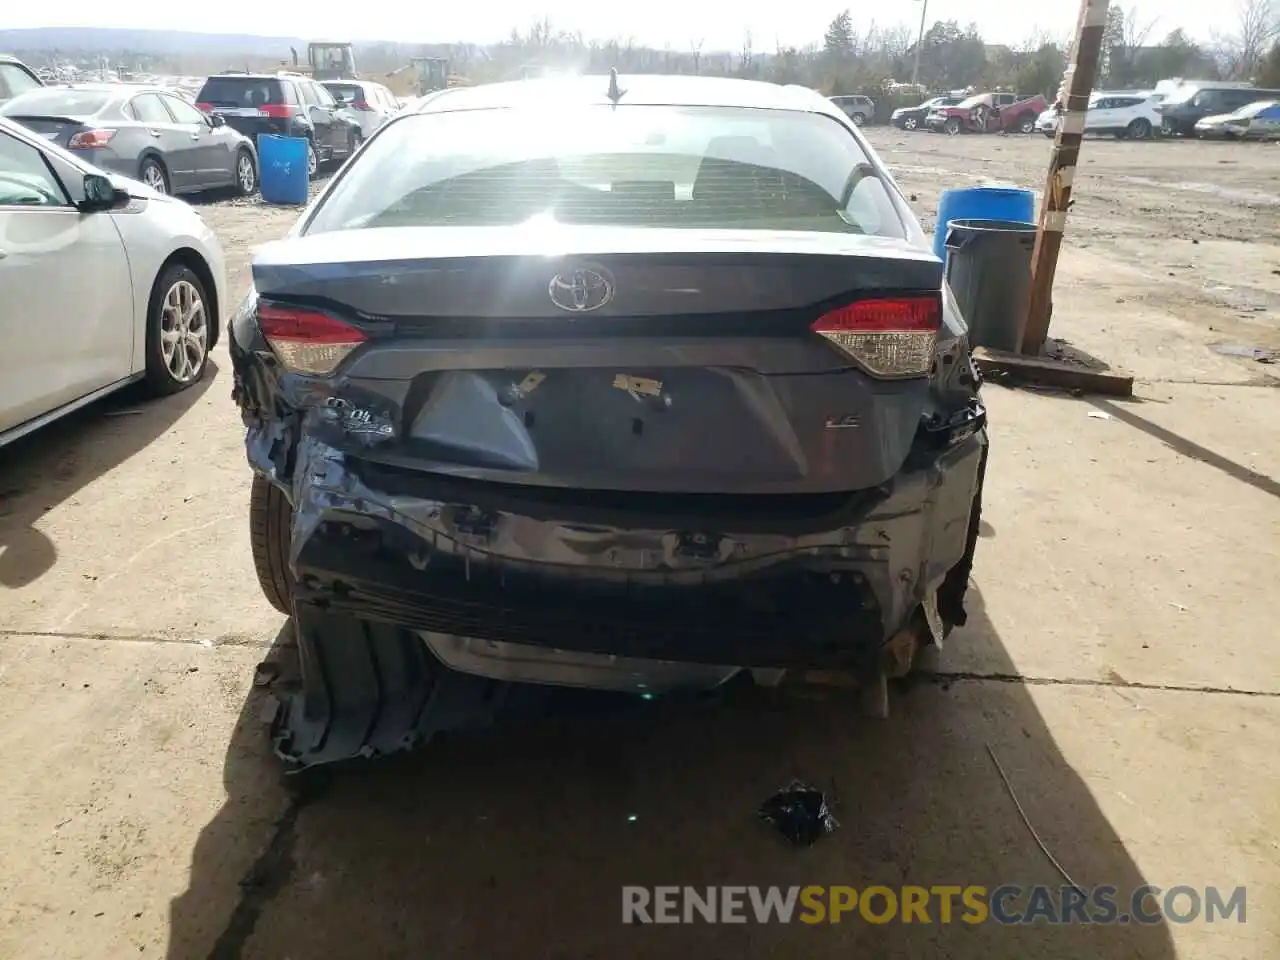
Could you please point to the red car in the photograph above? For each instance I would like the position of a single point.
(988, 113)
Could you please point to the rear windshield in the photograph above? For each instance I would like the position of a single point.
(347, 91)
(58, 102)
(240, 91)
(639, 166)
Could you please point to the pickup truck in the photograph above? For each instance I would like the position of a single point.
(994, 112)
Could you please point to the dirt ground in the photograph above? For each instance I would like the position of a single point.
(1119, 662)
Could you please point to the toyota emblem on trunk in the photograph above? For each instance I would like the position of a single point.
(581, 290)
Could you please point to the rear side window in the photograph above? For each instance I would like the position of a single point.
(641, 166)
(149, 108)
(241, 92)
(347, 91)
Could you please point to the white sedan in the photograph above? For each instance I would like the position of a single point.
(103, 282)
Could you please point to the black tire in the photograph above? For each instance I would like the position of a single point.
(1139, 129)
(246, 177)
(161, 379)
(952, 126)
(1027, 124)
(270, 525)
(152, 172)
(313, 160)
(859, 119)
(911, 123)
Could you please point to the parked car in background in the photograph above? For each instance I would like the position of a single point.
(371, 104)
(288, 104)
(103, 282)
(1126, 115)
(912, 118)
(16, 78)
(1192, 102)
(857, 108)
(728, 422)
(1256, 121)
(147, 133)
(995, 112)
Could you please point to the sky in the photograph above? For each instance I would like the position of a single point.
(660, 23)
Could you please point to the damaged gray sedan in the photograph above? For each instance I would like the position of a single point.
(631, 385)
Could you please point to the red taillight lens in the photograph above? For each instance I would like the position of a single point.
(206, 107)
(307, 341)
(90, 139)
(281, 111)
(890, 337)
(362, 105)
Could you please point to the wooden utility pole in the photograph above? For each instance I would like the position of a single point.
(1077, 85)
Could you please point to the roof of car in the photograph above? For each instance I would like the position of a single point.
(647, 90)
(117, 89)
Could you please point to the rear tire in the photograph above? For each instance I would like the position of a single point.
(1139, 129)
(859, 119)
(313, 160)
(246, 174)
(154, 175)
(1027, 124)
(952, 126)
(270, 525)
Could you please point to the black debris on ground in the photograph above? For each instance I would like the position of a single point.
(799, 812)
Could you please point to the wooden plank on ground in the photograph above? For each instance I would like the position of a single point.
(1051, 373)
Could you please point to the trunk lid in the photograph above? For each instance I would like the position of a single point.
(58, 130)
(609, 359)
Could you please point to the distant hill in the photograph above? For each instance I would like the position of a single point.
(72, 40)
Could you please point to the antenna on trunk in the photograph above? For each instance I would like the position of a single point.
(615, 93)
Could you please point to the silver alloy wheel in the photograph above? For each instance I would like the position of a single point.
(313, 160)
(245, 174)
(153, 177)
(184, 332)
(859, 119)
(911, 123)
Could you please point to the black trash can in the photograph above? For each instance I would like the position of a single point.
(989, 270)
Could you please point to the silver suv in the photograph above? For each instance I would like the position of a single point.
(859, 109)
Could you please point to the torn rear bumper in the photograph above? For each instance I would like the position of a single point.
(747, 581)
(418, 595)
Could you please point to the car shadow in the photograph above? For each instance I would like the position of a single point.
(516, 841)
(52, 464)
(1189, 448)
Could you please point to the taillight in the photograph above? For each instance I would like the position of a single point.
(206, 107)
(890, 337)
(90, 139)
(281, 111)
(307, 341)
(362, 105)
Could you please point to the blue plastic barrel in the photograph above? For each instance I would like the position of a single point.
(282, 162)
(974, 203)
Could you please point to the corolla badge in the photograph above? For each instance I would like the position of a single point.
(581, 289)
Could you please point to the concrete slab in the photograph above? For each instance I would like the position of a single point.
(1108, 553)
(115, 756)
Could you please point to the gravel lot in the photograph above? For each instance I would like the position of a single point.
(1118, 662)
